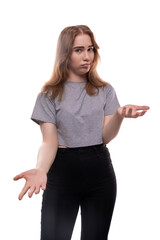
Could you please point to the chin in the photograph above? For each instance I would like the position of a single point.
(85, 71)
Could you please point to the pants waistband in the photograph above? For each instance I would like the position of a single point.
(81, 148)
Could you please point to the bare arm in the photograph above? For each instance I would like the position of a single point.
(48, 149)
(111, 127)
(37, 178)
(113, 122)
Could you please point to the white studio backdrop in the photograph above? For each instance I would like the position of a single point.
(128, 33)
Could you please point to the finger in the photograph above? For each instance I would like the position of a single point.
(17, 177)
(129, 114)
(23, 192)
(31, 191)
(37, 190)
(43, 187)
(123, 111)
(136, 115)
(142, 107)
(141, 113)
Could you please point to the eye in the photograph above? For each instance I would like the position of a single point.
(78, 50)
(90, 49)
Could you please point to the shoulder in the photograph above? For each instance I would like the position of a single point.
(109, 88)
(44, 99)
(46, 96)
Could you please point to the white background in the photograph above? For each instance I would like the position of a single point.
(128, 33)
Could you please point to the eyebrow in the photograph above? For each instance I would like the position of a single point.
(82, 47)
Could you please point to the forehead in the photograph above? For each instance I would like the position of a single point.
(82, 40)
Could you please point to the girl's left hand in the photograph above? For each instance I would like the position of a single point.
(132, 111)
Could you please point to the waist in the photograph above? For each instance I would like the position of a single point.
(67, 149)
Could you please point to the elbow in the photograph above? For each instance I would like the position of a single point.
(106, 142)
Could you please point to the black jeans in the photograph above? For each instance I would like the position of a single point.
(82, 176)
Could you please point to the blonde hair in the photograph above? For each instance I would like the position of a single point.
(60, 73)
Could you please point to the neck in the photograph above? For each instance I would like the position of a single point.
(76, 78)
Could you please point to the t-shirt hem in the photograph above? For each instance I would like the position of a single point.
(37, 121)
(86, 145)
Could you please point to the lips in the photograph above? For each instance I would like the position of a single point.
(85, 65)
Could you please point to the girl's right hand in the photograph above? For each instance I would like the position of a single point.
(35, 179)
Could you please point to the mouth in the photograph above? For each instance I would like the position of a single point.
(85, 65)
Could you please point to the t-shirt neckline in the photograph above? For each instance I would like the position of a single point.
(67, 81)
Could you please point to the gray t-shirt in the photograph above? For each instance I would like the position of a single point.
(78, 117)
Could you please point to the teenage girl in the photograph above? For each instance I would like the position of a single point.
(78, 114)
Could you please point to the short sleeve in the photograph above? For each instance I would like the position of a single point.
(44, 109)
(111, 102)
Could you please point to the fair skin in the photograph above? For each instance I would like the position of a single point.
(80, 63)
(81, 58)
(112, 123)
(36, 178)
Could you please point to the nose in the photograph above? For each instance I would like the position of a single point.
(86, 56)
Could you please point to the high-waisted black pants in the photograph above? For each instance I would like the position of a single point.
(82, 176)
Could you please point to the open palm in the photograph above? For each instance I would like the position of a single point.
(35, 179)
(132, 111)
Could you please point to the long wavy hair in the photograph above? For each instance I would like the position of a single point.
(55, 85)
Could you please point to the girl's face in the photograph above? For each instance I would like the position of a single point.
(82, 55)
